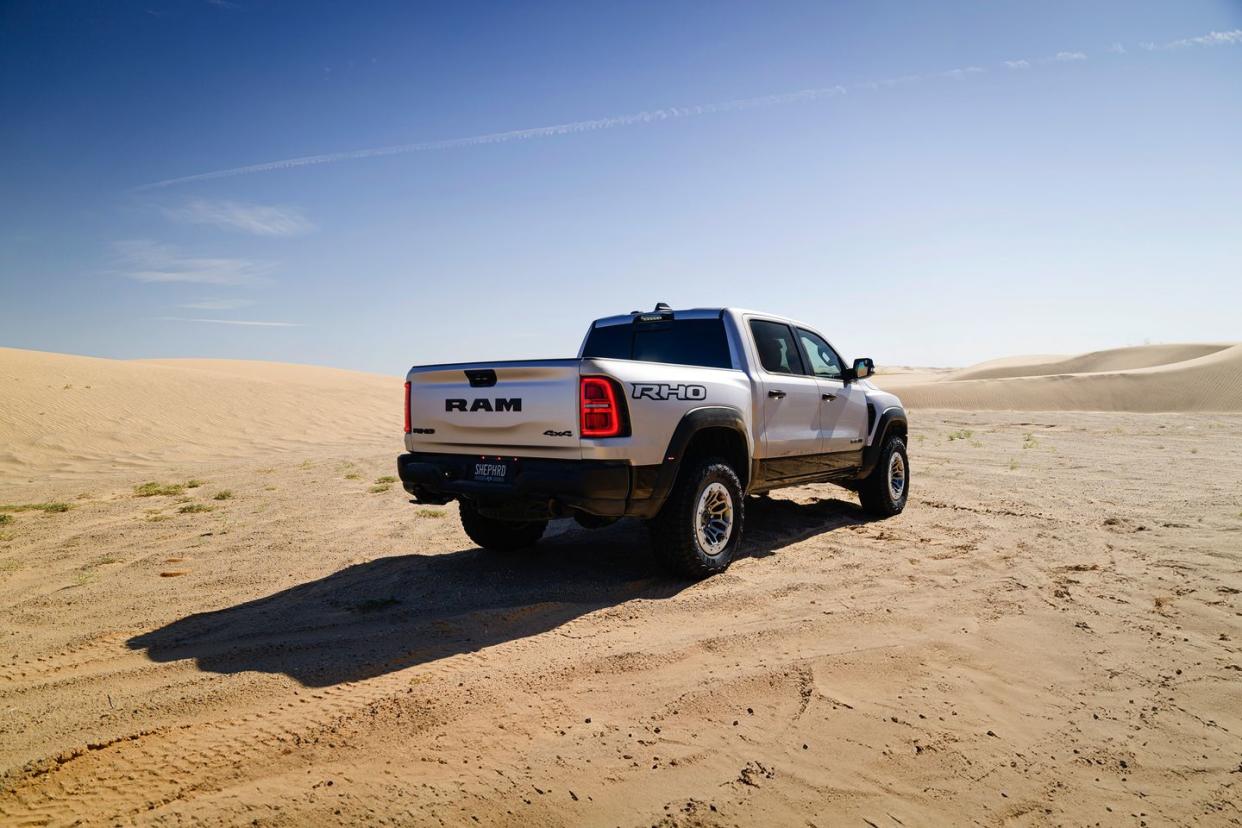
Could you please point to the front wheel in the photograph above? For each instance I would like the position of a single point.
(698, 529)
(884, 492)
(498, 535)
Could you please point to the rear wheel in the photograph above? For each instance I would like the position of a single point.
(884, 492)
(498, 535)
(698, 530)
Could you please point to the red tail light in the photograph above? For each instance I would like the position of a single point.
(407, 408)
(601, 414)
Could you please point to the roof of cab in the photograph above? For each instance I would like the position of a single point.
(690, 313)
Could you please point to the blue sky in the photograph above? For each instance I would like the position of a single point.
(962, 180)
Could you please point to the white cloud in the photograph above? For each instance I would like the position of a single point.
(259, 219)
(1018, 64)
(1117, 49)
(217, 304)
(888, 83)
(244, 322)
(958, 74)
(1069, 57)
(147, 261)
(1230, 38)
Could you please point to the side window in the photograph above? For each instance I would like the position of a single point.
(777, 350)
(823, 360)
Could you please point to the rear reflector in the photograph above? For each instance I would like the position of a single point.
(601, 416)
(407, 408)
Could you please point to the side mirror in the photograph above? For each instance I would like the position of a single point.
(862, 369)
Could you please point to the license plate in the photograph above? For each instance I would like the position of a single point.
(491, 472)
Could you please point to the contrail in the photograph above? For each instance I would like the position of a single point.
(656, 115)
(645, 117)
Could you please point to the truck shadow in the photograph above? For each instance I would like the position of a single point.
(773, 523)
(400, 611)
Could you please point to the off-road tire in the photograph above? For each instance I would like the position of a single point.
(674, 537)
(875, 492)
(497, 535)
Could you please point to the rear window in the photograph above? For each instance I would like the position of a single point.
(699, 342)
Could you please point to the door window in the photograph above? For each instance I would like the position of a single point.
(823, 360)
(777, 352)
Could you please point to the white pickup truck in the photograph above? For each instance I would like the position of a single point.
(673, 416)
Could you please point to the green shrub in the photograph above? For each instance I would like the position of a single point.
(195, 508)
(35, 507)
(154, 489)
(223, 494)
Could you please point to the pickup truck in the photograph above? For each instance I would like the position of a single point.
(671, 416)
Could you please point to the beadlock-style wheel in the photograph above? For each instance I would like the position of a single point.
(896, 476)
(699, 527)
(886, 489)
(714, 518)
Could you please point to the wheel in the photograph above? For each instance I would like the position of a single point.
(498, 535)
(697, 531)
(884, 492)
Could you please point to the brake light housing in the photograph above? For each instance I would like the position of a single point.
(408, 424)
(601, 408)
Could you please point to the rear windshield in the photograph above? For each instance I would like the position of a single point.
(678, 341)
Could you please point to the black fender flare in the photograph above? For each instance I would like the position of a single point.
(691, 423)
(892, 420)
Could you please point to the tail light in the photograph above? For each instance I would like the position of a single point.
(407, 408)
(602, 413)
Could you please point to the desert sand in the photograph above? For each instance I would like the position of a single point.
(273, 635)
(1188, 377)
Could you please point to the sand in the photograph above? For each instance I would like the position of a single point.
(71, 417)
(1152, 378)
(1048, 635)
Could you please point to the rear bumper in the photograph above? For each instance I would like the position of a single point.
(539, 488)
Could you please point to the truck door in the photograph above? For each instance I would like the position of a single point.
(843, 407)
(791, 403)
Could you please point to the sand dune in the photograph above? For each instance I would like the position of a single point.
(64, 416)
(1151, 378)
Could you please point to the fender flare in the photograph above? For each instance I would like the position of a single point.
(691, 423)
(892, 420)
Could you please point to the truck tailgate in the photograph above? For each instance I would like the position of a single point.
(519, 409)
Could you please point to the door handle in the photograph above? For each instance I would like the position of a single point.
(828, 397)
(779, 395)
